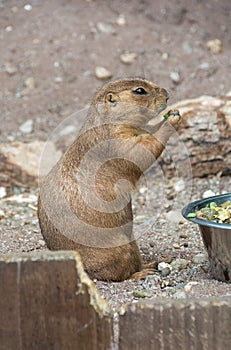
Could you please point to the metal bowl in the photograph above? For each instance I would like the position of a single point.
(216, 237)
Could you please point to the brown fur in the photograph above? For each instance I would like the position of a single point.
(118, 114)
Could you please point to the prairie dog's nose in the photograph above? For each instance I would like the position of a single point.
(163, 92)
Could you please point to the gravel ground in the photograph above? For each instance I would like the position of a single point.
(161, 232)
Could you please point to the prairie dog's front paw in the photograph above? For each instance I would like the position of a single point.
(173, 117)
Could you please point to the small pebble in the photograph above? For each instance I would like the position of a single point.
(165, 56)
(2, 192)
(128, 57)
(14, 9)
(162, 265)
(139, 219)
(179, 185)
(10, 68)
(27, 7)
(102, 73)
(189, 285)
(204, 66)
(208, 193)
(9, 29)
(165, 272)
(2, 214)
(152, 243)
(200, 258)
(174, 216)
(105, 28)
(215, 46)
(41, 243)
(179, 264)
(143, 190)
(141, 294)
(121, 20)
(27, 127)
(175, 77)
(30, 83)
(176, 246)
(58, 79)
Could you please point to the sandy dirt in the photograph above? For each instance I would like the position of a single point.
(49, 51)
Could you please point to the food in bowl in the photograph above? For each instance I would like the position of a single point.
(220, 213)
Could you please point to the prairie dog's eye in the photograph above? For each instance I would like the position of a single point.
(140, 91)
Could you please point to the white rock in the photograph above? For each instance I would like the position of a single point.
(204, 65)
(2, 192)
(105, 28)
(27, 127)
(189, 285)
(9, 29)
(41, 242)
(174, 216)
(179, 185)
(165, 56)
(200, 258)
(175, 77)
(142, 190)
(10, 68)
(121, 20)
(179, 264)
(30, 83)
(102, 73)
(128, 57)
(27, 7)
(139, 219)
(58, 79)
(22, 198)
(164, 265)
(208, 193)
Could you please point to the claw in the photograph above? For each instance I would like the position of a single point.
(173, 112)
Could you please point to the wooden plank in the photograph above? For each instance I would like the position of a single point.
(167, 324)
(48, 302)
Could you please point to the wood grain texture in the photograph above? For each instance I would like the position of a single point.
(48, 302)
(167, 324)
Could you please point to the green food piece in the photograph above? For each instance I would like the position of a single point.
(212, 204)
(191, 215)
(166, 116)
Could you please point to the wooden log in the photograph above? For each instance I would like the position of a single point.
(204, 138)
(20, 162)
(48, 302)
(167, 324)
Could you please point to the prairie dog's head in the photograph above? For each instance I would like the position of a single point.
(131, 98)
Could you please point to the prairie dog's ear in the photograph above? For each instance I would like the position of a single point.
(112, 98)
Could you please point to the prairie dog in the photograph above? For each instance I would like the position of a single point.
(85, 200)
